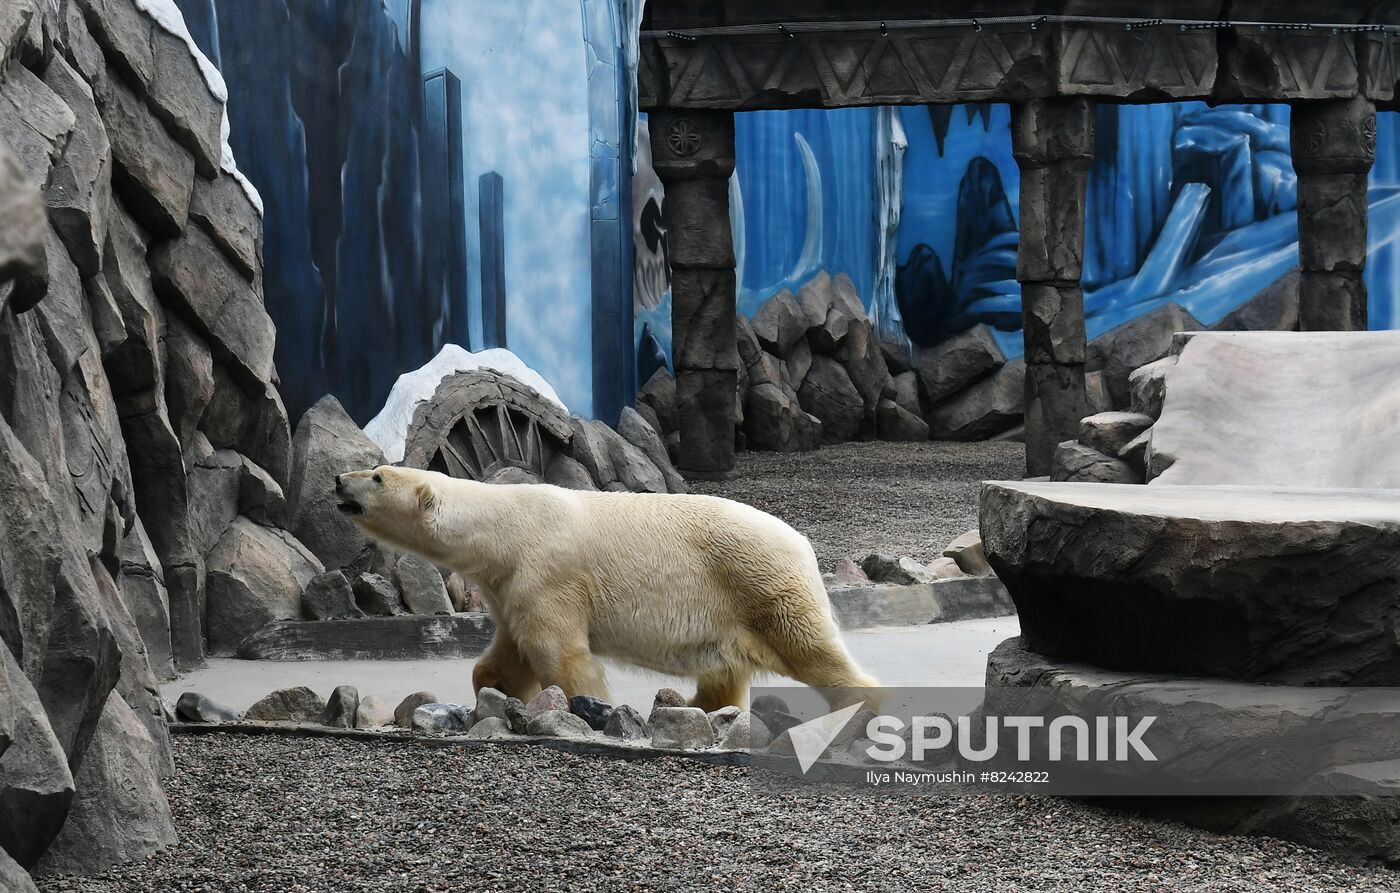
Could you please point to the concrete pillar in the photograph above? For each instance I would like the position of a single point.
(1334, 144)
(693, 153)
(1053, 140)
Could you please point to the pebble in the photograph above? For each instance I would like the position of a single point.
(591, 710)
(490, 704)
(722, 719)
(490, 727)
(747, 732)
(516, 716)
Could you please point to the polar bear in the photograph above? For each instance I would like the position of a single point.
(687, 585)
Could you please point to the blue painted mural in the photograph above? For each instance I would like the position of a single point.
(461, 172)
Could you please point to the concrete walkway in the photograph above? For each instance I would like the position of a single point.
(945, 654)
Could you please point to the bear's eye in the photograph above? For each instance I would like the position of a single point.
(378, 478)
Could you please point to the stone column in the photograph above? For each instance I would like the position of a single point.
(693, 153)
(1334, 143)
(1053, 140)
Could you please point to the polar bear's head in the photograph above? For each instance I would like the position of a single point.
(395, 505)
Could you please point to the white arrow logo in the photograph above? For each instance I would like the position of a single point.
(811, 739)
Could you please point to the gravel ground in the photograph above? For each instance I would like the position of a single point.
(854, 498)
(286, 815)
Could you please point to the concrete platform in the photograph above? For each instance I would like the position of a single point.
(953, 654)
(1293, 586)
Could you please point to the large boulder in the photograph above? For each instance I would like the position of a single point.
(36, 786)
(828, 394)
(780, 323)
(775, 420)
(861, 357)
(894, 422)
(424, 591)
(328, 443)
(635, 430)
(955, 363)
(992, 406)
(120, 813)
(659, 393)
(1075, 461)
(1290, 586)
(1136, 343)
(630, 466)
(255, 576)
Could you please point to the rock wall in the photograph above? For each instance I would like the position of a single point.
(142, 436)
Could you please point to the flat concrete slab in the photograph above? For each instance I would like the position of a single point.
(1313, 409)
(1292, 586)
(951, 654)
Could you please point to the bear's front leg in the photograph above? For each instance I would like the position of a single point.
(504, 668)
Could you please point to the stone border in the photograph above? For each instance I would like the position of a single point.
(942, 601)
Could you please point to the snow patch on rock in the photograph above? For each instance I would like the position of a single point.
(168, 16)
(389, 428)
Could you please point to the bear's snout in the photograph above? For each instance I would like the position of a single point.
(344, 501)
(340, 485)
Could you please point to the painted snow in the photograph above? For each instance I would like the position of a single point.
(389, 428)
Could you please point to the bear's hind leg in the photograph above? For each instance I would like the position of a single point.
(569, 665)
(724, 688)
(504, 668)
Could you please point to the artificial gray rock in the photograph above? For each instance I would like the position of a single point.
(298, 704)
(255, 575)
(376, 596)
(119, 813)
(558, 724)
(659, 393)
(775, 420)
(192, 706)
(141, 580)
(403, 714)
(681, 728)
(80, 187)
(967, 552)
(590, 449)
(549, 698)
(1109, 432)
(491, 727)
(865, 365)
(815, 298)
(993, 405)
(635, 430)
(828, 394)
(903, 389)
(630, 466)
(189, 376)
(36, 786)
(956, 363)
(565, 471)
(780, 323)
(593, 711)
(439, 719)
(329, 443)
(896, 423)
(511, 474)
(250, 418)
(341, 707)
(212, 488)
(373, 713)
(222, 209)
(35, 121)
(422, 586)
(13, 878)
(329, 597)
(152, 173)
(799, 363)
(1147, 386)
(1125, 348)
(1265, 584)
(1073, 461)
(626, 723)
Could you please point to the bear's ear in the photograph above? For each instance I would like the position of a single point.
(427, 499)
